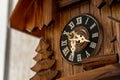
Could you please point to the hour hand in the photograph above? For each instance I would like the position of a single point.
(83, 39)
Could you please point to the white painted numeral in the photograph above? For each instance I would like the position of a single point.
(79, 20)
(66, 33)
(72, 25)
(71, 57)
(92, 26)
(93, 45)
(79, 59)
(95, 35)
(66, 51)
(64, 43)
(87, 20)
(87, 54)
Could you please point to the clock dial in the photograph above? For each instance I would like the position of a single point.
(81, 38)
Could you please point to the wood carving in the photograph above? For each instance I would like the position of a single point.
(45, 63)
(99, 61)
(45, 75)
(63, 3)
(96, 74)
(43, 55)
(42, 46)
(31, 16)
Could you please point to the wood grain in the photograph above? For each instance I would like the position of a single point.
(53, 32)
(97, 14)
(47, 11)
(107, 30)
(30, 18)
(64, 15)
(17, 18)
(96, 74)
(116, 28)
(99, 61)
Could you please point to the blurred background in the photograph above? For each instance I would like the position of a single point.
(17, 49)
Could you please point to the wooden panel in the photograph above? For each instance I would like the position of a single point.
(109, 29)
(31, 16)
(65, 17)
(47, 11)
(96, 74)
(97, 14)
(63, 3)
(116, 28)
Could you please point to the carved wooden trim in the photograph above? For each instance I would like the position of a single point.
(96, 74)
(45, 63)
(63, 3)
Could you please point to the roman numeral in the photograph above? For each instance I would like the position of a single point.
(71, 57)
(92, 26)
(72, 25)
(79, 58)
(66, 33)
(95, 35)
(93, 45)
(87, 54)
(79, 20)
(87, 20)
(64, 43)
(65, 51)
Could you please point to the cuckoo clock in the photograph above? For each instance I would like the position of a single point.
(81, 31)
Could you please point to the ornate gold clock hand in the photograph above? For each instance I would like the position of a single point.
(83, 39)
(79, 37)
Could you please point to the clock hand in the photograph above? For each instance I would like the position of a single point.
(73, 48)
(83, 39)
(79, 37)
(73, 43)
(73, 40)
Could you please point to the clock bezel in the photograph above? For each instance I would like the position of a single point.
(98, 45)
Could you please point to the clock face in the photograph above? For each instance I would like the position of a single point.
(80, 39)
